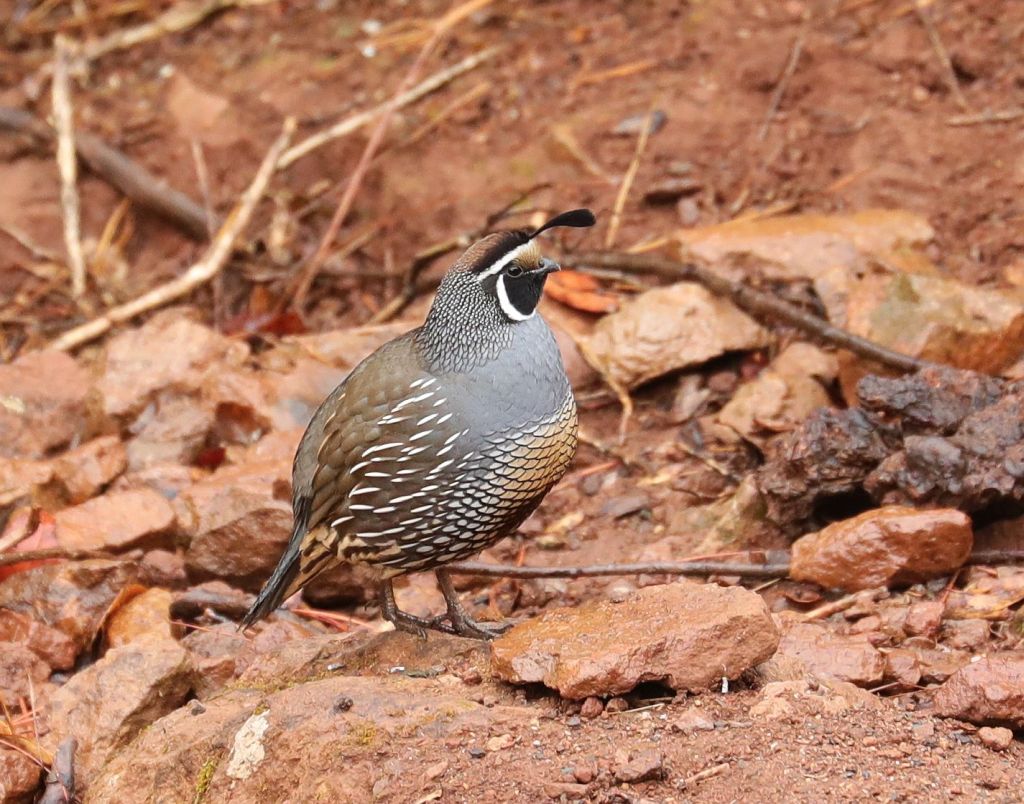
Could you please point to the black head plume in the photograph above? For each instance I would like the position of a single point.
(577, 218)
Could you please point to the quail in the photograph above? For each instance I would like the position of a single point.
(442, 441)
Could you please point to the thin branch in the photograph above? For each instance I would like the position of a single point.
(67, 164)
(949, 74)
(627, 180)
(776, 569)
(783, 83)
(49, 553)
(199, 273)
(999, 116)
(119, 170)
(760, 305)
(355, 122)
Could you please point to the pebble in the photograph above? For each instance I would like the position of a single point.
(476, 753)
(584, 774)
(592, 707)
(997, 738)
(616, 705)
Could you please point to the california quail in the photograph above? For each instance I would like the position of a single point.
(442, 441)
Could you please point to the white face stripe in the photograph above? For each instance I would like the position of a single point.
(480, 277)
(506, 305)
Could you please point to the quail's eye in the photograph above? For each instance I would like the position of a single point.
(514, 271)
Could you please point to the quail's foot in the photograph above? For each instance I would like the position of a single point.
(461, 622)
(403, 621)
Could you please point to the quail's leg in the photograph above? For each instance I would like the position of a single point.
(462, 623)
(404, 621)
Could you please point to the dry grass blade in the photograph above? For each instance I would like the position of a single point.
(627, 180)
(949, 74)
(199, 273)
(67, 164)
(1000, 116)
(179, 17)
(783, 83)
(354, 122)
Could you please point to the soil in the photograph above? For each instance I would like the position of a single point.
(864, 121)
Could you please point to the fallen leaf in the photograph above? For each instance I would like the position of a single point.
(581, 292)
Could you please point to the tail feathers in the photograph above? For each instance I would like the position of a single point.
(291, 574)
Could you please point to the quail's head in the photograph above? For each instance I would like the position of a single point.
(500, 278)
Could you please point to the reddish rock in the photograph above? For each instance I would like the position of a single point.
(117, 521)
(965, 634)
(686, 635)
(168, 351)
(847, 658)
(52, 646)
(902, 668)
(343, 721)
(172, 429)
(239, 520)
(71, 597)
(997, 738)
(20, 479)
(163, 568)
(989, 691)
(86, 470)
(924, 618)
(592, 707)
(145, 615)
(937, 665)
(106, 705)
(20, 671)
(889, 546)
(40, 414)
(168, 479)
(19, 777)
(786, 700)
(642, 766)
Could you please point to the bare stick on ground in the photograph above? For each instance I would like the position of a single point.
(783, 83)
(67, 164)
(627, 180)
(1000, 116)
(354, 122)
(758, 304)
(312, 268)
(199, 273)
(119, 170)
(949, 74)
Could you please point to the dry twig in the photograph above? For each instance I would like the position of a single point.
(760, 305)
(774, 569)
(200, 272)
(67, 164)
(627, 180)
(988, 116)
(355, 122)
(783, 83)
(120, 171)
(949, 74)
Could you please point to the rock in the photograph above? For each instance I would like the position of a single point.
(693, 720)
(642, 766)
(52, 646)
(997, 738)
(592, 707)
(168, 351)
(163, 568)
(965, 634)
(670, 190)
(106, 705)
(684, 634)
(145, 615)
(938, 665)
(847, 658)
(924, 618)
(936, 319)
(889, 546)
(20, 671)
(667, 329)
(20, 480)
(173, 429)
(569, 790)
(73, 598)
(785, 700)
(19, 777)
(252, 763)
(902, 668)
(38, 414)
(987, 692)
(782, 395)
(239, 521)
(87, 470)
(340, 586)
(168, 479)
(117, 521)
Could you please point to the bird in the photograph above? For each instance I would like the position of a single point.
(441, 442)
